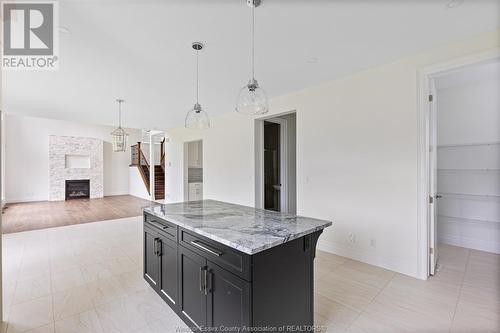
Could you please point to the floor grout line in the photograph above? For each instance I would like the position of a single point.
(460, 291)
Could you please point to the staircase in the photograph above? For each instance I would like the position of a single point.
(159, 182)
(138, 159)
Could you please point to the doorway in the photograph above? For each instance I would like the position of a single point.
(193, 170)
(275, 147)
(272, 165)
(460, 155)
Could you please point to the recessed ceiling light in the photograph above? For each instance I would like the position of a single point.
(454, 3)
(64, 30)
(312, 60)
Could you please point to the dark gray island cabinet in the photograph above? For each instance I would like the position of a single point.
(226, 267)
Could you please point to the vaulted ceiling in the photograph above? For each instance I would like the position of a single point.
(141, 51)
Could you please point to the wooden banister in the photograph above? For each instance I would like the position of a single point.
(138, 159)
(162, 154)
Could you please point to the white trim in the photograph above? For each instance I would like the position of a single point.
(471, 243)
(169, 298)
(423, 77)
(149, 277)
(259, 164)
(191, 319)
(259, 161)
(283, 161)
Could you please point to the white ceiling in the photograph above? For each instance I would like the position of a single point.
(141, 51)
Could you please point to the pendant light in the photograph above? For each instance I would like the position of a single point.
(196, 118)
(252, 99)
(119, 136)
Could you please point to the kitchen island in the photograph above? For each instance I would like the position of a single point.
(227, 267)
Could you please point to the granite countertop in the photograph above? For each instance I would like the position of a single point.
(246, 229)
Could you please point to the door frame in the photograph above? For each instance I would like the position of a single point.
(424, 84)
(259, 160)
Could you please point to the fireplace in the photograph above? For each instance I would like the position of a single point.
(77, 189)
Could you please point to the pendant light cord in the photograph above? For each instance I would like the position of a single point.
(197, 76)
(253, 43)
(120, 114)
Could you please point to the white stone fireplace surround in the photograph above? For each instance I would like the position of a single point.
(61, 148)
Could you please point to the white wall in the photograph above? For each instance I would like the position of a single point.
(27, 156)
(356, 157)
(137, 187)
(469, 113)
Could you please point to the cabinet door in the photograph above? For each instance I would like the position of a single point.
(192, 298)
(228, 299)
(168, 269)
(151, 259)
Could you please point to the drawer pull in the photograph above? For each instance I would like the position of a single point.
(158, 225)
(199, 245)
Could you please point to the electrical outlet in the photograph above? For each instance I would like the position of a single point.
(373, 242)
(352, 238)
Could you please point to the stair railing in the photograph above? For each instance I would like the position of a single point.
(162, 154)
(142, 163)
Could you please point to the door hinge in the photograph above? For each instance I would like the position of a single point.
(431, 200)
(431, 98)
(431, 250)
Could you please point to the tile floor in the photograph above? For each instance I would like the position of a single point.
(88, 278)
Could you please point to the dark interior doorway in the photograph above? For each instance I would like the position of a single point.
(272, 169)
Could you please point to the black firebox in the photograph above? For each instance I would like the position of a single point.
(77, 189)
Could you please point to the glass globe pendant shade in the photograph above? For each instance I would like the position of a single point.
(196, 118)
(119, 140)
(252, 99)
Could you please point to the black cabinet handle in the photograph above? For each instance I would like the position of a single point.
(201, 279)
(207, 248)
(158, 225)
(155, 246)
(159, 252)
(205, 280)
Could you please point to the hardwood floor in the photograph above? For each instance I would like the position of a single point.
(48, 214)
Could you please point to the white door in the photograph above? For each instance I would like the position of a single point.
(433, 190)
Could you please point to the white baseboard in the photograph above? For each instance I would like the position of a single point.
(139, 196)
(110, 194)
(369, 257)
(21, 200)
(471, 243)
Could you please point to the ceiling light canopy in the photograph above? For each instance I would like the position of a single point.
(252, 99)
(454, 3)
(119, 136)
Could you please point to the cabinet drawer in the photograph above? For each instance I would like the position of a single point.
(234, 261)
(164, 227)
